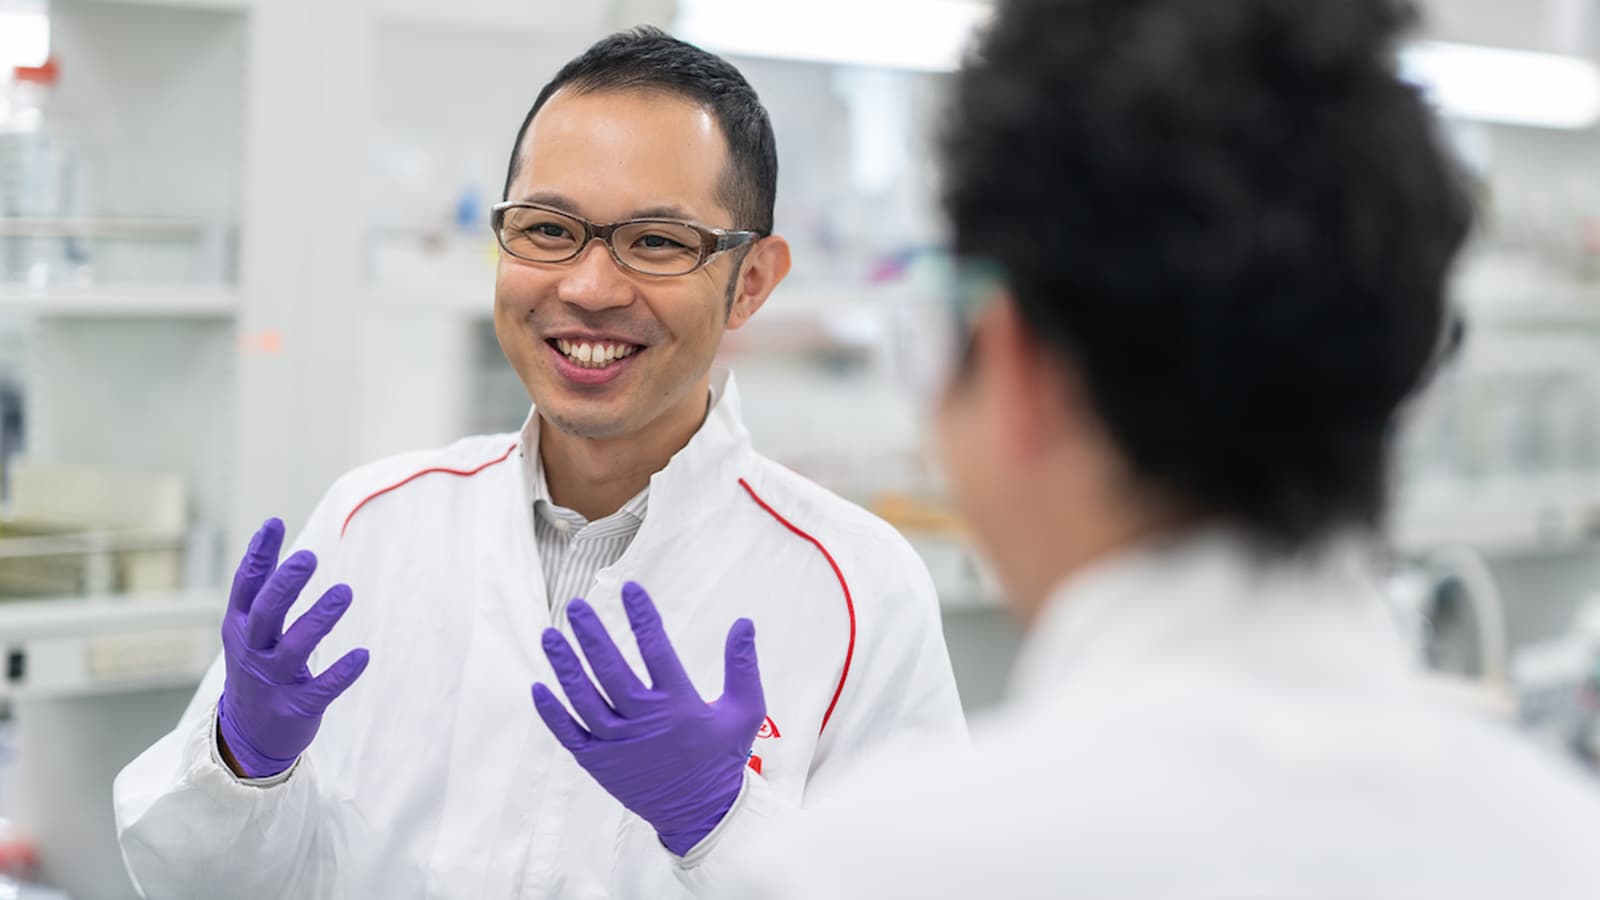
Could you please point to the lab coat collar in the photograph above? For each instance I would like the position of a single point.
(544, 507)
(710, 459)
(1208, 593)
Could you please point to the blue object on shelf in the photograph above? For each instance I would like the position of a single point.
(470, 211)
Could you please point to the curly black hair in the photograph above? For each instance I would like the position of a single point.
(1233, 220)
(649, 59)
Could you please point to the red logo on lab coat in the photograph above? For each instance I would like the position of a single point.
(769, 729)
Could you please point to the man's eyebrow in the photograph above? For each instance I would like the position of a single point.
(661, 212)
(566, 205)
(551, 199)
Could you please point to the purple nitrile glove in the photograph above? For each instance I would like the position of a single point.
(666, 754)
(271, 707)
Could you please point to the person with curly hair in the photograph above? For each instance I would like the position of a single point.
(1205, 251)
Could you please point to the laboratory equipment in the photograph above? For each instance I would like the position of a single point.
(90, 683)
(72, 530)
(41, 180)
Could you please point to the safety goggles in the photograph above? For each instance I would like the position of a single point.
(932, 331)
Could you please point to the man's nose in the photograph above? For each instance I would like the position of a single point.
(594, 280)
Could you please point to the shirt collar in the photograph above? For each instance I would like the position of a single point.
(626, 519)
(708, 455)
(1207, 593)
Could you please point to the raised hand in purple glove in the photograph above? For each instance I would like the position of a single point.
(271, 707)
(666, 754)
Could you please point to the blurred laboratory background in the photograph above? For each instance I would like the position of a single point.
(243, 247)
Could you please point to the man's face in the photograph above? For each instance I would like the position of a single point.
(1006, 443)
(968, 443)
(609, 156)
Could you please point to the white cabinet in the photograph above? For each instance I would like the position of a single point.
(125, 343)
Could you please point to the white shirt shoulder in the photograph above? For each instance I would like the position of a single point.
(1187, 723)
(1126, 805)
(358, 488)
(869, 549)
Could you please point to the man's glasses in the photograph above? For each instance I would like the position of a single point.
(541, 234)
(932, 331)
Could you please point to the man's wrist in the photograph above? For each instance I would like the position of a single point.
(682, 843)
(224, 754)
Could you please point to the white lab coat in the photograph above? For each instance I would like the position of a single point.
(434, 777)
(1187, 723)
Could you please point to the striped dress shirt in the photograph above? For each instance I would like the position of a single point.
(572, 550)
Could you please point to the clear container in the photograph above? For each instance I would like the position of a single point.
(40, 182)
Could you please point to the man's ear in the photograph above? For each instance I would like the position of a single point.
(765, 265)
(1035, 392)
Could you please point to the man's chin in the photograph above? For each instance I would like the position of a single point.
(584, 424)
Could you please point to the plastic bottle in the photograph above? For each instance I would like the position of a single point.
(38, 180)
(11, 147)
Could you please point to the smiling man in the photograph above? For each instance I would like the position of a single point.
(398, 755)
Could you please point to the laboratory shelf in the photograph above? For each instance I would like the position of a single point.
(217, 5)
(467, 298)
(121, 301)
(1518, 293)
(1575, 311)
(52, 617)
(106, 643)
(1503, 515)
(122, 229)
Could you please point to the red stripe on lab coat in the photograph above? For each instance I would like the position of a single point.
(465, 473)
(849, 604)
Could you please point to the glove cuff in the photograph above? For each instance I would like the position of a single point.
(252, 762)
(681, 841)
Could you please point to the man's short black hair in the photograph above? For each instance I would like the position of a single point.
(1233, 221)
(648, 59)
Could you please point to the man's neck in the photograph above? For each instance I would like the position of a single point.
(596, 477)
(1046, 555)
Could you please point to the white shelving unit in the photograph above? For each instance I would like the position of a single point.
(123, 301)
(1506, 291)
(247, 113)
(470, 300)
(1506, 516)
(200, 110)
(209, 5)
(65, 647)
(128, 373)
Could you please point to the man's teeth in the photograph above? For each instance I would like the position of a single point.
(594, 355)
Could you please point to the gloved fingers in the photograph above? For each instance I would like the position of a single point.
(283, 587)
(741, 678)
(258, 563)
(560, 722)
(306, 632)
(666, 670)
(334, 680)
(628, 694)
(585, 698)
